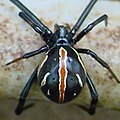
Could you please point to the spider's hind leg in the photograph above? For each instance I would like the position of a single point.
(94, 95)
(25, 92)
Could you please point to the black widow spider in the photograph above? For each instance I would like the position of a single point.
(62, 75)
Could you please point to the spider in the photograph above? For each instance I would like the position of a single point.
(62, 74)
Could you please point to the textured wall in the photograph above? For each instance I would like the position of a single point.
(17, 38)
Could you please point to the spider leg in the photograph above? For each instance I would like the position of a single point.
(44, 29)
(90, 27)
(93, 93)
(98, 59)
(25, 92)
(30, 54)
(82, 17)
(32, 24)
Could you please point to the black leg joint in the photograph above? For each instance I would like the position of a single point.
(94, 55)
(28, 55)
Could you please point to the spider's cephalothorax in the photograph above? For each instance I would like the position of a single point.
(62, 74)
(60, 36)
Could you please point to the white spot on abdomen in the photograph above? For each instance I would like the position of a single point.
(79, 80)
(44, 79)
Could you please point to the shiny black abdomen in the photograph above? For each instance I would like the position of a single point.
(49, 76)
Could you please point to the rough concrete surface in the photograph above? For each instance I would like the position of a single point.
(41, 110)
(17, 38)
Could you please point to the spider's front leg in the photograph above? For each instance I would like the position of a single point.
(82, 17)
(33, 21)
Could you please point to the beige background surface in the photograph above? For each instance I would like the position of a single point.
(17, 38)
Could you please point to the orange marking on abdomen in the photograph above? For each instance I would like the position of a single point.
(62, 74)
